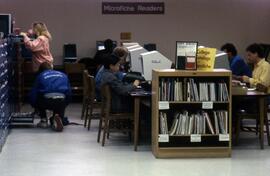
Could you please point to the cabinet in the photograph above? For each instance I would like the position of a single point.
(8, 86)
(3, 92)
(191, 113)
(5, 111)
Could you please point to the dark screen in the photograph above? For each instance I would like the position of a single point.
(70, 50)
(5, 24)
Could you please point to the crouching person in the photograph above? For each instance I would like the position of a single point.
(51, 91)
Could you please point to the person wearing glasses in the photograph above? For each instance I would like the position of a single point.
(40, 46)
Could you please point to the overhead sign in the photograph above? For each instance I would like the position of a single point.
(133, 8)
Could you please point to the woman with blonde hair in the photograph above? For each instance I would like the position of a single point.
(40, 46)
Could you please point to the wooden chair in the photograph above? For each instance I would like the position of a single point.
(243, 114)
(263, 88)
(75, 75)
(90, 102)
(107, 117)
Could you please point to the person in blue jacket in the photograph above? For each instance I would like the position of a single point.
(51, 91)
(237, 64)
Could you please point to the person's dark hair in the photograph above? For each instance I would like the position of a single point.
(111, 60)
(108, 44)
(256, 48)
(44, 66)
(229, 47)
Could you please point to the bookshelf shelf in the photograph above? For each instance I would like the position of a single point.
(186, 102)
(191, 113)
(203, 135)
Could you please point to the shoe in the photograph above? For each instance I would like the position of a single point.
(42, 124)
(35, 114)
(57, 124)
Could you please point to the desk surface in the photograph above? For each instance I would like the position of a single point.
(140, 93)
(243, 91)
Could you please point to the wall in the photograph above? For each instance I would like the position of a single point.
(210, 22)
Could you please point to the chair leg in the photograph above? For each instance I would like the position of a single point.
(108, 133)
(90, 117)
(83, 109)
(257, 127)
(86, 114)
(267, 128)
(130, 136)
(105, 130)
(99, 129)
(237, 130)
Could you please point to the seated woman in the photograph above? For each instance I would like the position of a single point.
(121, 101)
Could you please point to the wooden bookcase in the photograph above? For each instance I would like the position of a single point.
(191, 143)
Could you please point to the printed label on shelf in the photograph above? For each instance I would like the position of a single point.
(224, 137)
(163, 138)
(207, 105)
(164, 105)
(195, 138)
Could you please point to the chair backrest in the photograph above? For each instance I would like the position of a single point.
(75, 75)
(71, 68)
(89, 63)
(91, 88)
(86, 83)
(89, 85)
(105, 99)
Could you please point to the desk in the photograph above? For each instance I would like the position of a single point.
(262, 97)
(138, 97)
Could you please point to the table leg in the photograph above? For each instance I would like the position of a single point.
(266, 121)
(136, 121)
(262, 116)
